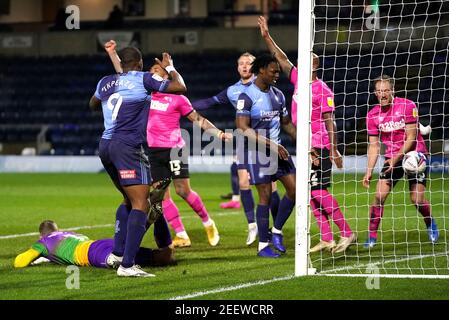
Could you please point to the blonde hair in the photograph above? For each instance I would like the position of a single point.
(384, 77)
(247, 54)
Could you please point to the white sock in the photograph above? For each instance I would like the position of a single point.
(208, 223)
(263, 245)
(274, 230)
(252, 225)
(235, 197)
(182, 235)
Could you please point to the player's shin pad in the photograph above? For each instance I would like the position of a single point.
(157, 194)
(155, 213)
(155, 200)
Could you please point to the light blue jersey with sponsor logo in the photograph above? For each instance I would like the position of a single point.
(265, 110)
(125, 100)
(233, 92)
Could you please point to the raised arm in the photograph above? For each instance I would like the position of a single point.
(177, 84)
(110, 48)
(280, 55)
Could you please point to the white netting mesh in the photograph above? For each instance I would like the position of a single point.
(358, 41)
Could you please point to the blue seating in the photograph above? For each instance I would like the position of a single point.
(62, 86)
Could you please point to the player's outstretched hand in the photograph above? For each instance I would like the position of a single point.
(166, 60)
(263, 26)
(110, 46)
(366, 180)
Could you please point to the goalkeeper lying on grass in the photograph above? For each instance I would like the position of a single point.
(65, 247)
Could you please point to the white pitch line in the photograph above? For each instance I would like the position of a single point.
(324, 273)
(391, 276)
(68, 229)
(12, 236)
(231, 288)
(358, 266)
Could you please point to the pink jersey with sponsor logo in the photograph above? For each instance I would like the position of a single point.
(294, 80)
(390, 124)
(163, 128)
(322, 102)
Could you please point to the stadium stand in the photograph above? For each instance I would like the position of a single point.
(53, 92)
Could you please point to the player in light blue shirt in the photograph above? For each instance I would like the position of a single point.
(124, 99)
(261, 113)
(239, 171)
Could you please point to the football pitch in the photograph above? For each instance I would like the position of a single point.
(87, 203)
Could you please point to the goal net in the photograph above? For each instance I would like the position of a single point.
(357, 42)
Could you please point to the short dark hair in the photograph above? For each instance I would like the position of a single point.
(383, 77)
(262, 61)
(47, 227)
(129, 56)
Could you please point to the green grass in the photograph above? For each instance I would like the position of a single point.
(74, 200)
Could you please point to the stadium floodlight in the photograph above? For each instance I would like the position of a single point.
(357, 42)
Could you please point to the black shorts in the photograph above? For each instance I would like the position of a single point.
(168, 163)
(398, 172)
(320, 175)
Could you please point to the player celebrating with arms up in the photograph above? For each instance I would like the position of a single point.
(167, 155)
(164, 141)
(230, 96)
(394, 122)
(324, 150)
(124, 100)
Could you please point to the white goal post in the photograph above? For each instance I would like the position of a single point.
(303, 138)
(358, 41)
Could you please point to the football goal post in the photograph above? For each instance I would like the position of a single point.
(384, 65)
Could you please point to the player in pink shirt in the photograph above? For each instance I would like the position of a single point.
(324, 150)
(394, 122)
(168, 158)
(293, 76)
